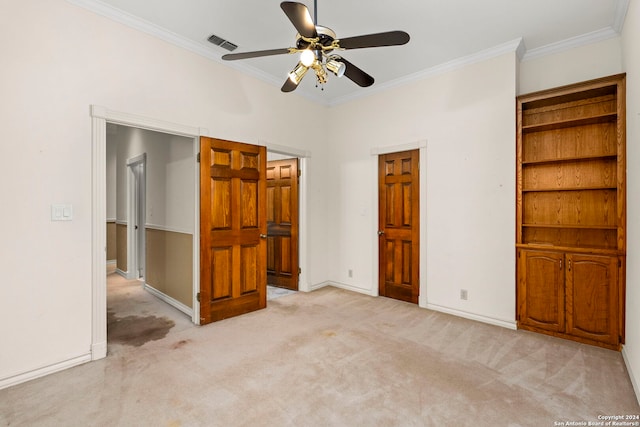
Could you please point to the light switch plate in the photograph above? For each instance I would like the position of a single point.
(61, 212)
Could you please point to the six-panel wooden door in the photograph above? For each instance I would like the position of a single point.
(282, 223)
(399, 225)
(233, 229)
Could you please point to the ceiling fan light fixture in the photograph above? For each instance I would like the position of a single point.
(336, 67)
(298, 73)
(307, 57)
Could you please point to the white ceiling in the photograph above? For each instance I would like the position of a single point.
(442, 32)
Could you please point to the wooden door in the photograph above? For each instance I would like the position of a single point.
(232, 229)
(592, 297)
(282, 223)
(399, 225)
(541, 290)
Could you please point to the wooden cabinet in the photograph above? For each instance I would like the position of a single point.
(570, 211)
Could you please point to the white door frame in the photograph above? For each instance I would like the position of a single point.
(100, 116)
(136, 199)
(303, 157)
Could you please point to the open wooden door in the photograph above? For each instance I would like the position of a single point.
(399, 225)
(233, 229)
(282, 223)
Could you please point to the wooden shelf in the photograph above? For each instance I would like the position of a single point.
(582, 249)
(573, 226)
(541, 190)
(570, 159)
(562, 124)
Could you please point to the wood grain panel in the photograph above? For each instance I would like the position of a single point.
(221, 271)
(571, 237)
(570, 143)
(399, 224)
(570, 110)
(570, 175)
(588, 208)
(249, 204)
(249, 261)
(220, 204)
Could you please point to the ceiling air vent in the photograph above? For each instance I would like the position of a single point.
(219, 41)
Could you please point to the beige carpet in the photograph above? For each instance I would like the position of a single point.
(327, 358)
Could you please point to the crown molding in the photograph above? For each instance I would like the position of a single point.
(145, 26)
(516, 46)
(620, 15)
(571, 43)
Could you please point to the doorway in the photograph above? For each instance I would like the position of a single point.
(137, 188)
(399, 225)
(282, 223)
(100, 116)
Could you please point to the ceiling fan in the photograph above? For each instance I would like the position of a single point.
(316, 45)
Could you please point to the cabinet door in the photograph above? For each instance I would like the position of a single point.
(541, 290)
(592, 297)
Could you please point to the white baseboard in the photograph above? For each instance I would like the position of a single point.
(350, 288)
(99, 351)
(169, 300)
(472, 316)
(318, 286)
(46, 370)
(122, 273)
(111, 261)
(632, 377)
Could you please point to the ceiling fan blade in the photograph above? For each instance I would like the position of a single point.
(390, 38)
(300, 17)
(256, 54)
(289, 86)
(354, 73)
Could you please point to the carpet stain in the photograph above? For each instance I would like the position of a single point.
(137, 330)
(329, 333)
(179, 344)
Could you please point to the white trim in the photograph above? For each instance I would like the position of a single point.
(352, 288)
(111, 261)
(99, 118)
(98, 238)
(136, 197)
(632, 377)
(320, 285)
(114, 220)
(472, 316)
(376, 151)
(286, 150)
(169, 300)
(455, 64)
(303, 185)
(122, 273)
(168, 228)
(203, 48)
(622, 6)
(46, 370)
(121, 222)
(140, 158)
(571, 43)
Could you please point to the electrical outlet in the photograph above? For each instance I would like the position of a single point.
(463, 294)
(350, 273)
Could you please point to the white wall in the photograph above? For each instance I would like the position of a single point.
(61, 60)
(631, 62)
(112, 161)
(467, 117)
(575, 65)
(170, 195)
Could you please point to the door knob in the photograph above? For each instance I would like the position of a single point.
(380, 232)
(263, 236)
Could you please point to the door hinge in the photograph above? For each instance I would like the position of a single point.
(299, 172)
(299, 271)
(198, 158)
(198, 296)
